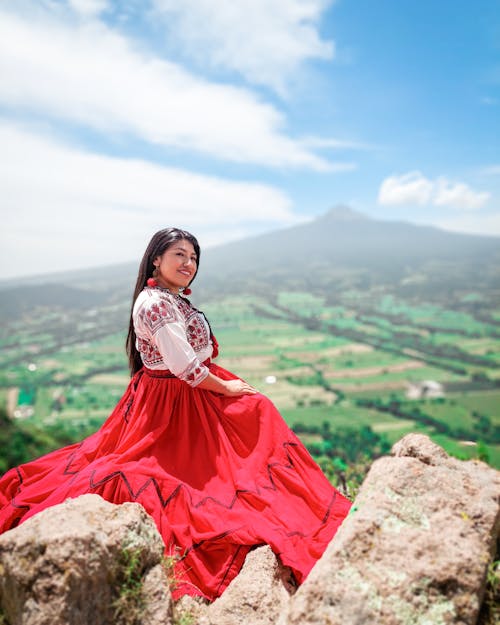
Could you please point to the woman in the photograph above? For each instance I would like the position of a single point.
(209, 458)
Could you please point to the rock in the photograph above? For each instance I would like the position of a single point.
(421, 447)
(64, 565)
(156, 597)
(257, 596)
(191, 610)
(415, 548)
(413, 551)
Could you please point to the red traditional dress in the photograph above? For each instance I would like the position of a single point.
(219, 475)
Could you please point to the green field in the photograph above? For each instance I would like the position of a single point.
(315, 360)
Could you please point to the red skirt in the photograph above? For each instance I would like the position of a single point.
(219, 475)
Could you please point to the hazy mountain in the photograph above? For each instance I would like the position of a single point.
(341, 243)
(344, 241)
(348, 238)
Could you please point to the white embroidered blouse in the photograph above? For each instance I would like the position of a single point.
(171, 334)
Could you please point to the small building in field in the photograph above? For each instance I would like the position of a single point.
(427, 389)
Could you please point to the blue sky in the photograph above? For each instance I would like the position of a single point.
(233, 117)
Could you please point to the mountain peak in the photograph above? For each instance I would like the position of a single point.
(342, 212)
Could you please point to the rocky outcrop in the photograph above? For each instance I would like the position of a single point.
(257, 596)
(413, 551)
(84, 562)
(415, 548)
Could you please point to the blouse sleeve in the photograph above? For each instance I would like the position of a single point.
(167, 329)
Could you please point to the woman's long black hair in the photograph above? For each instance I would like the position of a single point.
(158, 245)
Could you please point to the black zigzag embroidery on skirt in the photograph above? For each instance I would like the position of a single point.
(23, 507)
(133, 391)
(235, 555)
(164, 502)
(70, 461)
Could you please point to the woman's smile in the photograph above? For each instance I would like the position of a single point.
(177, 267)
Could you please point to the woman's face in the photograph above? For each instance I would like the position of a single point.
(177, 266)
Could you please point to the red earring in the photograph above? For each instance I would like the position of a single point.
(187, 291)
(152, 282)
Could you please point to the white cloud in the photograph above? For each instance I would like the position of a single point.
(334, 144)
(410, 188)
(458, 195)
(415, 189)
(86, 73)
(88, 8)
(265, 41)
(67, 208)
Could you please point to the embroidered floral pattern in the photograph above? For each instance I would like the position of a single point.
(194, 374)
(149, 352)
(161, 346)
(160, 312)
(197, 333)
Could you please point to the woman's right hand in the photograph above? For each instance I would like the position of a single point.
(233, 388)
